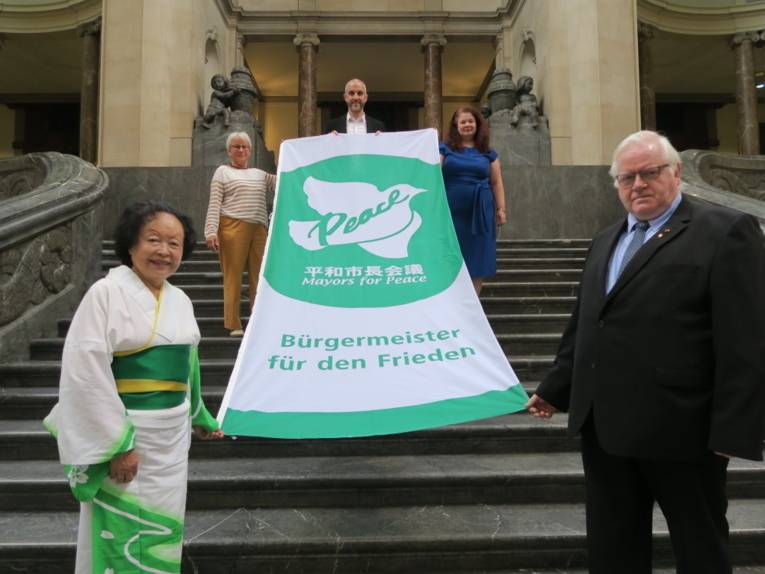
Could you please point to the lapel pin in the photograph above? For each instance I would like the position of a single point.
(661, 234)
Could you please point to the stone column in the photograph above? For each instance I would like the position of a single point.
(746, 97)
(90, 33)
(308, 48)
(433, 45)
(647, 88)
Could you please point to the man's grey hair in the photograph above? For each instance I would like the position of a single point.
(345, 90)
(645, 136)
(238, 136)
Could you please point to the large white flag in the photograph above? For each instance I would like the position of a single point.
(366, 321)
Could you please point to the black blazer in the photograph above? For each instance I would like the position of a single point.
(340, 126)
(671, 363)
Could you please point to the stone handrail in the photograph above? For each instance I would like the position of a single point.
(734, 181)
(50, 243)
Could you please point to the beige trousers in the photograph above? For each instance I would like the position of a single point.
(241, 245)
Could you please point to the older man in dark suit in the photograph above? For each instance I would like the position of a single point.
(662, 366)
(355, 121)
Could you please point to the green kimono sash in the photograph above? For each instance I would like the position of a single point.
(153, 378)
(148, 380)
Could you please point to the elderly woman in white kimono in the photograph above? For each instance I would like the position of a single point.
(129, 396)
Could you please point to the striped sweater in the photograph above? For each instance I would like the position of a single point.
(245, 194)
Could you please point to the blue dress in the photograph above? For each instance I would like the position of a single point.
(471, 201)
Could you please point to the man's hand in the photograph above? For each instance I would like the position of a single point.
(124, 467)
(203, 434)
(540, 408)
(212, 242)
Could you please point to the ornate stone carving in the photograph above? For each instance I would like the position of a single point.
(526, 38)
(501, 90)
(738, 39)
(747, 184)
(734, 181)
(48, 206)
(246, 94)
(518, 132)
(220, 101)
(30, 273)
(310, 38)
(438, 39)
(526, 111)
(19, 175)
(230, 110)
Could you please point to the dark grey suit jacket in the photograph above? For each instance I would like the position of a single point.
(671, 363)
(340, 126)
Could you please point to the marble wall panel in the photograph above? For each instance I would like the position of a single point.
(186, 188)
(571, 202)
(543, 202)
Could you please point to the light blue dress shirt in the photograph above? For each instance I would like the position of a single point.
(621, 246)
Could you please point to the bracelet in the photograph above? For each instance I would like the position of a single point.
(500, 209)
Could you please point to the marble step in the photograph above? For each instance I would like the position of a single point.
(533, 305)
(185, 278)
(411, 539)
(534, 256)
(26, 439)
(33, 403)
(505, 261)
(226, 347)
(536, 306)
(736, 570)
(509, 260)
(356, 481)
(198, 292)
(510, 323)
(574, 243)
(217, 371)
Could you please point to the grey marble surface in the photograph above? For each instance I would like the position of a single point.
(558, 201)
(543, 201)
(522, 144)
(186, 188)
(369, 471)
(271, 530)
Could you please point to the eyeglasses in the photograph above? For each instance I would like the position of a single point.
(648, 174)
(236, 146)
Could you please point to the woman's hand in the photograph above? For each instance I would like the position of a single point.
(124, 467)
(501, 216)
(212, 242)
(203, 434)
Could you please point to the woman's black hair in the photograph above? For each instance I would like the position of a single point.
(139, 214)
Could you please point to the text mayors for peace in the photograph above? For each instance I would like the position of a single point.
(334, 343)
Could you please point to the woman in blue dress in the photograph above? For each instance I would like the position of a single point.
(474, 190)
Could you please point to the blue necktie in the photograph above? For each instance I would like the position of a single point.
(637, 242)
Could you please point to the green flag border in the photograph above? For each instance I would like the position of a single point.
(306, 425)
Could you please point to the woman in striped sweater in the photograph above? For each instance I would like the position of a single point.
(236, 224)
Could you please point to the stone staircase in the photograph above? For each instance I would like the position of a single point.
(501, 496)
